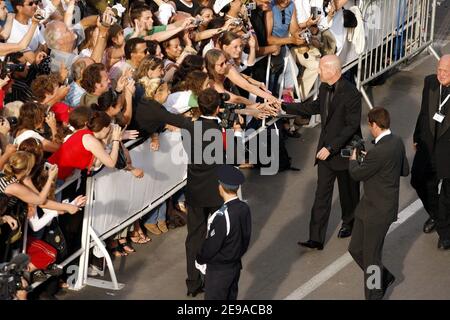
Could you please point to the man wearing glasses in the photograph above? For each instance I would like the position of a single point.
(24, 10)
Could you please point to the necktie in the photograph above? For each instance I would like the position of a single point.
(328, 98)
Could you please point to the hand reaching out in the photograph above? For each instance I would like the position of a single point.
(130, 135)
(10, 221)
(137, 172)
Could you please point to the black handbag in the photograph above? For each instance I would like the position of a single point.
(349, 19)
(55, 237)
(122, 161)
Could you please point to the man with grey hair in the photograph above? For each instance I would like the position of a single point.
(339, 105)
(432, 144)
(63, 40)
(75, 90)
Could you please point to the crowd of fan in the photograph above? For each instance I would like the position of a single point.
(73, 73)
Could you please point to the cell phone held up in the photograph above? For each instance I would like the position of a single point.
(47, 166)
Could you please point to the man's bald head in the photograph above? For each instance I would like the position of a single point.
(330, 69)
(443, 70)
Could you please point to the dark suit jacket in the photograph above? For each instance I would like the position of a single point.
(424, 133)
(380, 171)
(202, 181)
(341, 123)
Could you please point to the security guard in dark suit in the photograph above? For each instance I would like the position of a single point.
(228, 237)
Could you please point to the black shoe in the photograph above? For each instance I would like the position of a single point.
(39, 276)
(429, 225)
(311, 244)
(444, 244)
(194, 293)
(54, 270)
(345, 232)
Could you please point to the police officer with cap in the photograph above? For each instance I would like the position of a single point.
(228, 237)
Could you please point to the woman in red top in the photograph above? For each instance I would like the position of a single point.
(79, 151)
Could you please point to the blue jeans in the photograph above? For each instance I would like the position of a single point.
(157, 214)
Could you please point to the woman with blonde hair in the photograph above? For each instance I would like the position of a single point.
(15, 171)
(150, 66)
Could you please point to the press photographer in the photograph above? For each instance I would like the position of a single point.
(229, 111)
(380, 172)
(12, 283)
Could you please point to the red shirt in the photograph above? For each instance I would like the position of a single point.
(72, 155)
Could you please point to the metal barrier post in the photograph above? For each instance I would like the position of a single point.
(85, 238)
(433, 19)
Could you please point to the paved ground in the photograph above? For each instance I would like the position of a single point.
(275, 266)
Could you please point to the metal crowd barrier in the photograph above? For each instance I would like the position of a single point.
(398, 30)
(78, 274)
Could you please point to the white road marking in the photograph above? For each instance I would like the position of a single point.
(340, 263)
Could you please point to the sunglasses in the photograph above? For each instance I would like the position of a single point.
(283, 17)
(30, 4)
(221, 64)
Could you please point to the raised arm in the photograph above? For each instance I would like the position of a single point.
(238, 80)
(27, 195)
(172, 30)
(6, 48)
(6, 31)
(68, 15)
(100, 45)
(94, 145)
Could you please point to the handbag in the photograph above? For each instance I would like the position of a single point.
(55, 237)
(122, 161)
(349, 19)
(20, 216)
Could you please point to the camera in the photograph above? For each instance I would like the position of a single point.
(237, 22)
(250, 6)
(356, 143)
(316, 11)
(39, 15)
(47, 166)
(198, 20)
(229, 116)
(11, 276)
(8, 68)
(12, 121)
(306, 35)
(246, 36)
